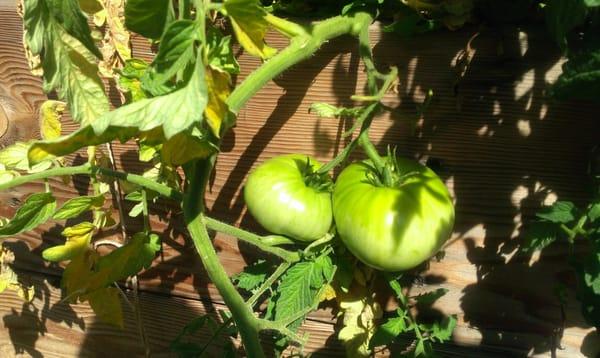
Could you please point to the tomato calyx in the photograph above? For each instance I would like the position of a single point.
(391, 175)
(313, 179)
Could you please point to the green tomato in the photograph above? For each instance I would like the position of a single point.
(392, 228)
(279, 198)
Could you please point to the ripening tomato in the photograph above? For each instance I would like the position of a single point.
(392, 228)
(283, 197)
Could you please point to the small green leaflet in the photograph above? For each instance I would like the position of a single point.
(326, 110)
(539, 235)
(592, 3)
(388, 331)
(561, 212)
(428, 298)
(76, 206)
(220, 54)
(253, 275)
(69, 61)
(594, 212)
(175, 54)
(36, 209)
(147, 17)
(130, 79)
(442, 331)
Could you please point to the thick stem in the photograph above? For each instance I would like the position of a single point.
(371, 151)
(197, 174)
(300, 48)
(250, 238)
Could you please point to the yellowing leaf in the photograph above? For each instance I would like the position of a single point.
(50, 113)
(14, 157)
(78, 241)
(115, 45)
(107, 305)
(77, 274)
(184, 147)
(360, 312)
(218, 91)
(9, 279)
(250, 26)
(328, 293)
(90, 6)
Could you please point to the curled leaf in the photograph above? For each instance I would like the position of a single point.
(50, 114)
(250, 26)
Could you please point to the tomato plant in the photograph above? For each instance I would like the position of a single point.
(285, 198)
(392, 228)
(391, 213)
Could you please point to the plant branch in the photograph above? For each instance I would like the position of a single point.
(197, 174)
(143, 182)
(250, 238)
(62, 171)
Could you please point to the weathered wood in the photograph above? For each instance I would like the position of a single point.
(502, 146)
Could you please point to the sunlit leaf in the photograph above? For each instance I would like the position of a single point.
(253, 275)
(50, 113)
(78, 240)
(36, 209)
(218, 84)
(14, 157)
(91, 6)
(130, 79)
(175, 54)
(58, 31)
(78, 205)
(220, 53)
(185, 147)
(250, 26)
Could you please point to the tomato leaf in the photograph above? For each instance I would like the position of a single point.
(580, 78)
(174, 112)
(107, 305)
(14, 157)
(218, 84)
(175, 54)
(429, 298)
(78, 205)
(220, 54)
(186, 146)
(58, 31)
(442, 331)
(9, 278)
(386, 333)
(253, 275)
(594, 212)
(561, 212)
(129, 79)
(50, 113)
(539, 235)
(147, 17)
(78, 241)
(126, 261)
(36, 209)
(250, 26)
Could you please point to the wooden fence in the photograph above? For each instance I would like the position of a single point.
(501, 146)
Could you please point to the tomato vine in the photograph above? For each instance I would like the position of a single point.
(179, 107)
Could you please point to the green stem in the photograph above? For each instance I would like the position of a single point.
(145, 211)
(55, 172)
(300, 48)
(197, 175)
(143, 182)
(371, 151)
(250, 238)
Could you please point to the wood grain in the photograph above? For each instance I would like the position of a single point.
(500, 145)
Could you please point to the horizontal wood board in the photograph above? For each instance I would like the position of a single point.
(503, 149)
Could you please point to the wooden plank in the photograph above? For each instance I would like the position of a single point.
(504, 149)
